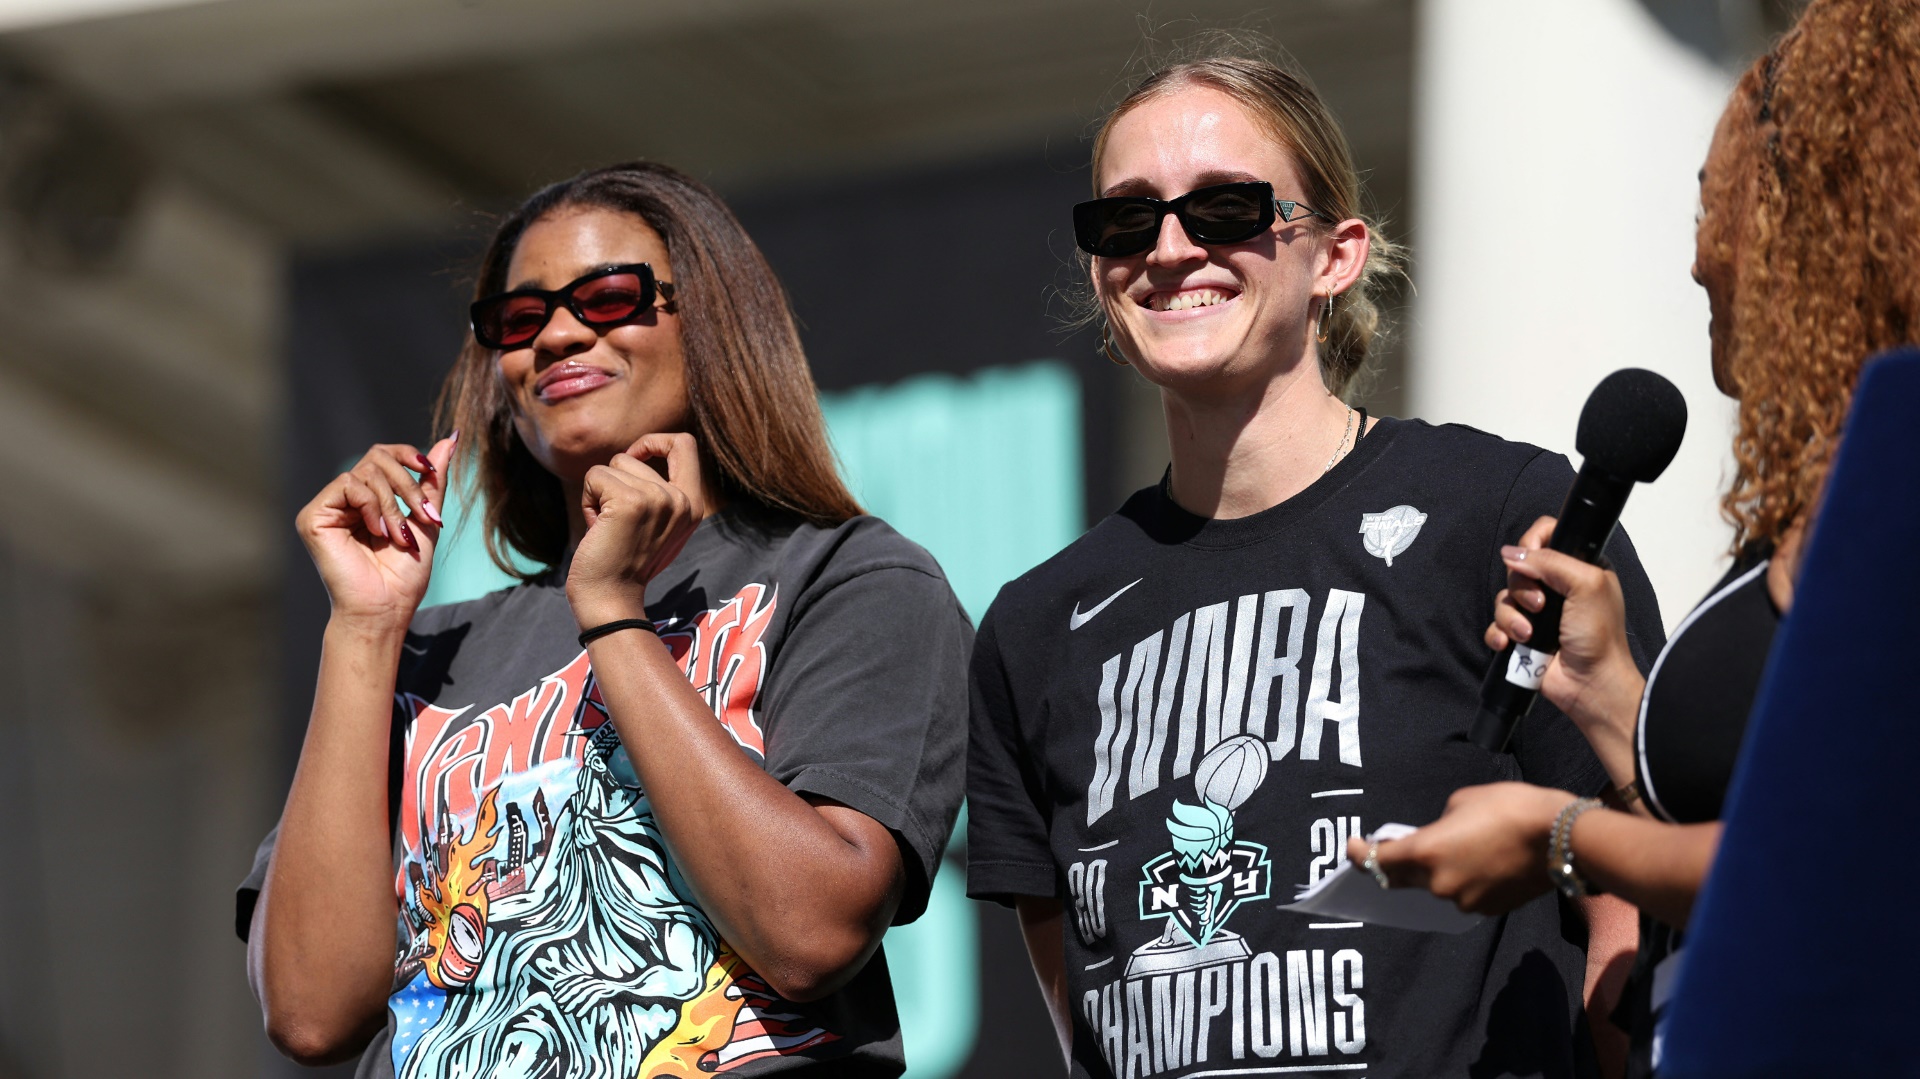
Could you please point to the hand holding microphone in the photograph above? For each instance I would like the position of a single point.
(1593, 677)
(1630, 429)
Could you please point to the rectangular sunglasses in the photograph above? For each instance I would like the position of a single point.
(601, 300)
(1222, 214)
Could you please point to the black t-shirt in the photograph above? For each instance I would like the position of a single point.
(1693, 717)
(1178, 722)
(544, 928)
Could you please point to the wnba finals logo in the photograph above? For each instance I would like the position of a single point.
(1198, 885)
(1392, 532)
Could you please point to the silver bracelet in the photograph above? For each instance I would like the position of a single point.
(1560, 851)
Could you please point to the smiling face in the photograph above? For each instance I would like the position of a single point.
(1199, 318)
(580, 396)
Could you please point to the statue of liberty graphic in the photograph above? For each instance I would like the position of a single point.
(586, 969)
(1198, 885)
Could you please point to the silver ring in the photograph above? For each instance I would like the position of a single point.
(1372, 865)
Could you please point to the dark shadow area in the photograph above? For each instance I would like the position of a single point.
(1016, 1037)
(1527, 1025)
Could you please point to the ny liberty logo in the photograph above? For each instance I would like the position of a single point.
(1200, 883)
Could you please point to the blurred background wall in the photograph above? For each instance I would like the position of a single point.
(234, 239)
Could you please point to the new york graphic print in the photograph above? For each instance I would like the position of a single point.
(547, 931)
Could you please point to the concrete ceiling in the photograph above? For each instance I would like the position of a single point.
(139, 384)
(329, 122)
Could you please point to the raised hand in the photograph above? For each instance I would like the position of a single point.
(374, 560)
(637, 522)
(1593, 677)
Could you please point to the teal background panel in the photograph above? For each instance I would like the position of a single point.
(984, 470)
(462, 569)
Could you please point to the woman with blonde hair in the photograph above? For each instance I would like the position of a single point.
(1809, 251)
(1182, 717)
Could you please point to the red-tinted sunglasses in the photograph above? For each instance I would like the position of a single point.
(601, 300)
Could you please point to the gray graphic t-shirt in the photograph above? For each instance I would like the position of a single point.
(1178, 723)
(544, 929)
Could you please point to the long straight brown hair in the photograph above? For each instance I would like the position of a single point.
(755, 410)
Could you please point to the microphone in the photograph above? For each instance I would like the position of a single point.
(1630, 428)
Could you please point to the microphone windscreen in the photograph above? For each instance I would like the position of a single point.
(1632, 425)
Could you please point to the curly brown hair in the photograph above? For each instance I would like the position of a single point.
(1818, 179)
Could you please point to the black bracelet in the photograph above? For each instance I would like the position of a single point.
(600, 631)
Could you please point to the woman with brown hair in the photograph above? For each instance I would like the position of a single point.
(649, 812)
(1181, 718)
(1809, 250)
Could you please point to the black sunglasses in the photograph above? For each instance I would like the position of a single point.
(1221, 214)
(600, 300)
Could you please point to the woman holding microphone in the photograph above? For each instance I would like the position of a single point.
(1809, 250)
(1182, 717)
(650, 812)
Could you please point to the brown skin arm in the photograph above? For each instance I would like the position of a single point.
(1041, 924)
(1488, 853)
(321, 946)
(802, 890)
(1656, 866)
(1592, 678)
(320, 953)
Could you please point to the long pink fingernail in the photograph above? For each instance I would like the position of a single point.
(453, 438)
(432, 513)
(1514, 554)
(382, 522)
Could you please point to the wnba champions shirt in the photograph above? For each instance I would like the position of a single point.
(1179, 722)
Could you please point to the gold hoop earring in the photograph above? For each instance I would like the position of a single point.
(1106, 346)
(1325, 329)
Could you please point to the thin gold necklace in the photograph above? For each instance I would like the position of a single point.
(1341, 448)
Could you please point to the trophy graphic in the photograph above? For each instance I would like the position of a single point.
(1196, 886)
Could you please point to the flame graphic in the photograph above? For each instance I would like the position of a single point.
(735, 1020)
(456, 902)
(706, 1024)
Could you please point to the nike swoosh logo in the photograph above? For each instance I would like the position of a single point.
(1079, 619)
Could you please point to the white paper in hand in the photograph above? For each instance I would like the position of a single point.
(1350, 894)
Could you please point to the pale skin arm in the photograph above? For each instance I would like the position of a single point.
(1041, 921)
(802, 890)
(320, 949)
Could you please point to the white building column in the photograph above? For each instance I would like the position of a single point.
(1556, 153)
